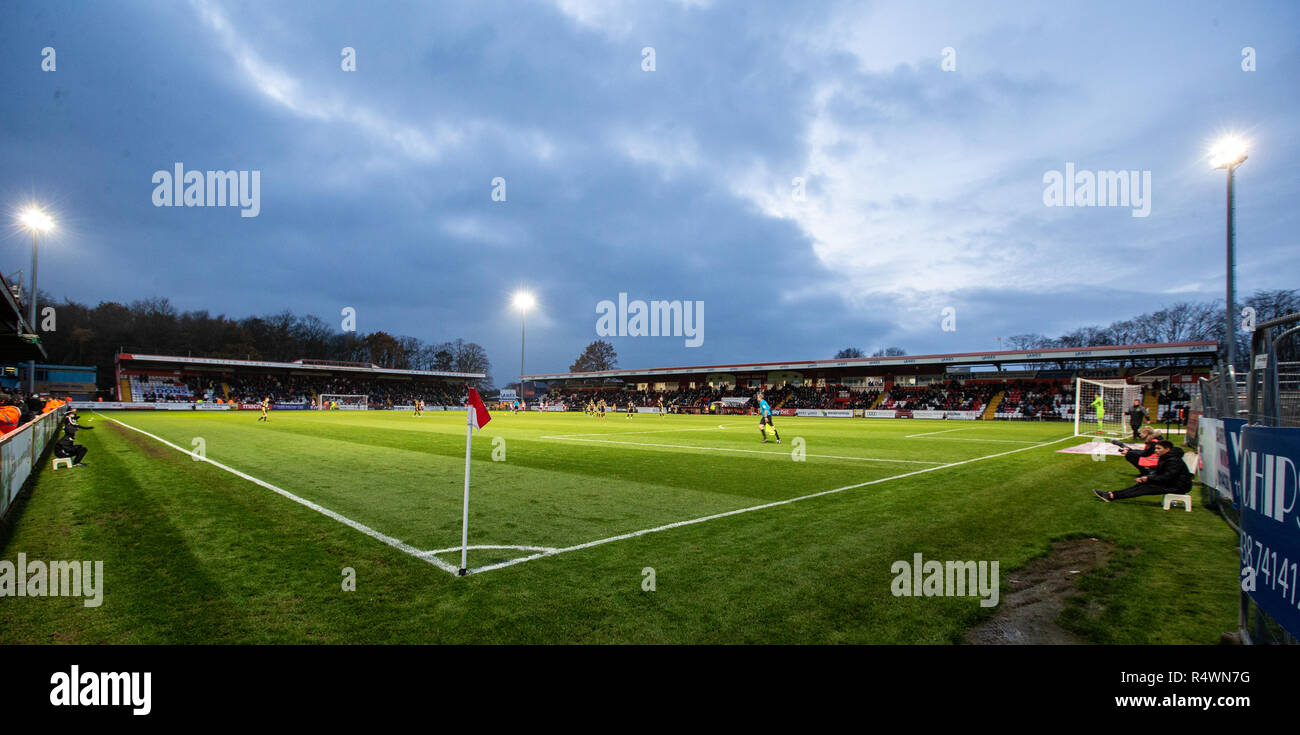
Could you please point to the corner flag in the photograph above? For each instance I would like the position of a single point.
(478, 413)
(476, 417)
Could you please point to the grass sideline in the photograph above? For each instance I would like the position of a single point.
(193, 554)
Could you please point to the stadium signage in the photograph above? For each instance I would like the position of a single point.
(107, 689)
(53, 579)
(656, 319)
(1270, 533)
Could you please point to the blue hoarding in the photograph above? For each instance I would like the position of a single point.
(1270, 521)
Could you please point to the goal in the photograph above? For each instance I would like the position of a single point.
(1116, 398)
(351, 402)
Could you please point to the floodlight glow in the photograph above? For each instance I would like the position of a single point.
(35, 219)
(524, 301)
(1227, 151)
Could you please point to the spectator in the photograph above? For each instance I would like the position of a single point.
(11, 416)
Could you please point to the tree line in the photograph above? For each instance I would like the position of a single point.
(1185, 321)
(85, 335)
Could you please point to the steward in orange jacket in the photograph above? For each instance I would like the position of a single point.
(10, 418)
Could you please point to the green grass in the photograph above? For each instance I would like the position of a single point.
(194, 554)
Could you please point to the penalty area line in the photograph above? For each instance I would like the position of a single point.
(747, 451)
(764, 506)
(932, 433)
(367, 530)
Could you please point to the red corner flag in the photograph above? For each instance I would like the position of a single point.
(478, 413)
(477, 417)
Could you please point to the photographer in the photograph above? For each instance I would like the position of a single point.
(1170, 476)
(1143, 459)
(66, 449)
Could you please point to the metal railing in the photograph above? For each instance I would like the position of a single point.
(1268, 394)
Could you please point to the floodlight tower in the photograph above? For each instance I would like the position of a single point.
(523, 302)
(37, 221)
(1229, 152)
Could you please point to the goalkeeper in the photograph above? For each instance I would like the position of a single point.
(1100, 407)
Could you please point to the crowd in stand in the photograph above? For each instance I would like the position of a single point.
(700, 399)
(19, 407)
(1174, 394)
(305, 389)
(1042, 399)
(950, 396)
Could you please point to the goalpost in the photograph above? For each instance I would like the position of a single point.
(349, 401)
(1117, 397)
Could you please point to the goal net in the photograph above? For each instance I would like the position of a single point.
(1100, 406)
(351, 402)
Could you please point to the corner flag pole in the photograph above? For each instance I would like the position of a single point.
(476, 417)
(464, 525)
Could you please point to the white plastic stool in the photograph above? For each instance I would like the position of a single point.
(1186, 500)
(66, 461)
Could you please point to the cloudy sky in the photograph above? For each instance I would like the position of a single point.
(652, 148)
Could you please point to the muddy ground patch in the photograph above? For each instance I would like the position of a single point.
(1039, 591)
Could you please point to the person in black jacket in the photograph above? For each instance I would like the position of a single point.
(70, 425)
(64, 448)
(1170, 476)
(1136, 415)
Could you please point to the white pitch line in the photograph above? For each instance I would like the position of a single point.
(625, 433)
(490, 547)
(969, 439)
(715, 516)
(748, 451)
(932, 433)
(367, 530)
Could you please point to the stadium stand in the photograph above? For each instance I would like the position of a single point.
(168, 379)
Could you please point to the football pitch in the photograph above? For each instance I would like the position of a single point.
(345, 527)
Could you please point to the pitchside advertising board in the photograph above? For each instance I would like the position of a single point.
(1270, 521)
(19, 450)
(1220, 457)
